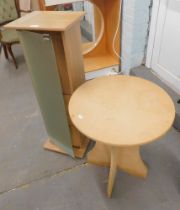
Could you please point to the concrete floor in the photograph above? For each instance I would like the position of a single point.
(34, 179)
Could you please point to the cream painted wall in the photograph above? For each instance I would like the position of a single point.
(135, 23)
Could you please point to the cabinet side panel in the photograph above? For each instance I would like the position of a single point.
(73, 53)
(41, 62)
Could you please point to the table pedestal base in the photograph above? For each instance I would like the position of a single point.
(127, 159)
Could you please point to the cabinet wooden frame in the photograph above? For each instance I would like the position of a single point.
(55, 45)
(105, 54)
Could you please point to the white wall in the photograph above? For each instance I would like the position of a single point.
(135, 24)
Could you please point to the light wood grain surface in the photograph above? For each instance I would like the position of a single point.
(98, 62)
(93, 59)
(121, 110)
(46, 21)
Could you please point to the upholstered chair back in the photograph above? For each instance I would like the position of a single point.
(8, 11)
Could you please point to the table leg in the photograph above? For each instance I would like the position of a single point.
(128, 159)
(113, 171)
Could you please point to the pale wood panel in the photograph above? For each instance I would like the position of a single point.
(87, 45)
(122, 110)
(46, 21)
(127, 159)
(74, 59)
(71, 70)
(110, 12)
(61, 63)
(77, 137)
(98, 62)
(69, 59)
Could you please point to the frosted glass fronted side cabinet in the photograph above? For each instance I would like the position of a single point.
(52, 47)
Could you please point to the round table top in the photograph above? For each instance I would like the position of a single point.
(121, 110)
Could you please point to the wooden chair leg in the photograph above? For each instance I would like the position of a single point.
(5, 51)
(12, 55)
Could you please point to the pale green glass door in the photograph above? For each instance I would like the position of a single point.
(40, 57)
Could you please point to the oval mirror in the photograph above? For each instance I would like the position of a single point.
(92, 25)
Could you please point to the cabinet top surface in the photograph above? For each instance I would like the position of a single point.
(121, 110)
(46, 21)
